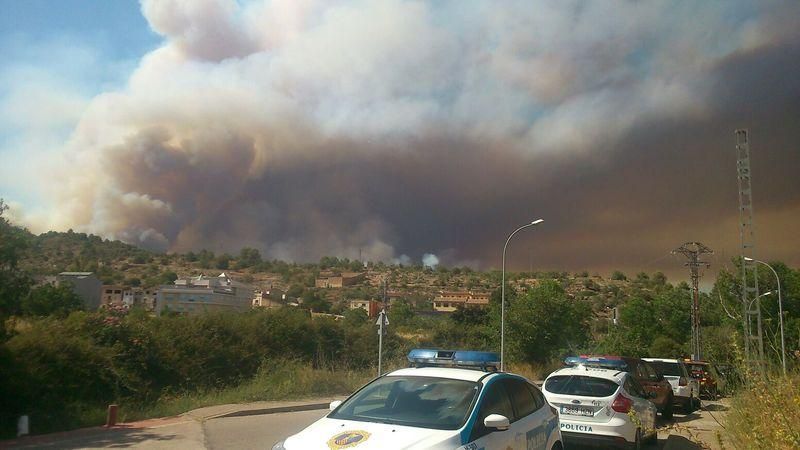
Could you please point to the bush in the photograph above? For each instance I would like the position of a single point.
(66, 370)
(766, 414)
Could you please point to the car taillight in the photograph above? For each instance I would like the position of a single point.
(682, 381)
(621, 404)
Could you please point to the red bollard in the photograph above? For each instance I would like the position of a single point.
(111, 418)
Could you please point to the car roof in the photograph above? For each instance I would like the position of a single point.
(666, 360)
(616, 376)
(454, 373)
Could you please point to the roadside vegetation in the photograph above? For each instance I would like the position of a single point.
(766, 414)
(62, 366)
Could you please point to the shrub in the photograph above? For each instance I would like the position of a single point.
(766, 414)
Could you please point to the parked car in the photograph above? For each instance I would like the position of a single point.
(598, 406)
(448, 400)
(648, 377)
(712, 385)
(685, 389)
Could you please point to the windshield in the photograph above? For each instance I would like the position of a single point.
(425, 402)
(669, 369)
(581, 385)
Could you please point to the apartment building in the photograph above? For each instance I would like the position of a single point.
(448, 301)
(112, 294)
(265, 299)
(338, 280)
(202, 294)
(372, 307)
(140, 297)
(84, 284)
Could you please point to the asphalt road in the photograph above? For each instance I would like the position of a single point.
(256, 432)
(262, 431)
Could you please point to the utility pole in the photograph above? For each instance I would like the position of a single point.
(693, 251)
(381, 323)
(751, 305)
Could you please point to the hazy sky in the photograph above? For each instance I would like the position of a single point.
(395, 129)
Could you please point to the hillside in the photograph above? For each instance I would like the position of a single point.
(118, 263)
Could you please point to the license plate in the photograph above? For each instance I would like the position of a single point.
(577, 410)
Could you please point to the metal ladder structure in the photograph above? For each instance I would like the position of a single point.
(751, 306)
(693, 251)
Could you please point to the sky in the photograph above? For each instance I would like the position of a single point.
(405, 131)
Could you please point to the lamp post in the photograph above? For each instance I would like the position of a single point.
(780, 310)
(503, 294)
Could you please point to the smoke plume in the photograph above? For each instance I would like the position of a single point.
(382, 128)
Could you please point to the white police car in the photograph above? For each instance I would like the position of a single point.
(600, 406)
(442, 402)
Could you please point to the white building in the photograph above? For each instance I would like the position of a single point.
(202, 294)
(145, 298)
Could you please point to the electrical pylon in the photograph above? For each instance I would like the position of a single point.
(693, 251)
(751, 306)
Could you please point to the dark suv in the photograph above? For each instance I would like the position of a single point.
(711, 383)
(654, 384)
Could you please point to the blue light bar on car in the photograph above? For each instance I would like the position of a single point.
(596, 361)
(454, 358)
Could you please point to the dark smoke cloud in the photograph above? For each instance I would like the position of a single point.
(376, 131)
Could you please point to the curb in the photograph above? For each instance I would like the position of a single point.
(274, 410)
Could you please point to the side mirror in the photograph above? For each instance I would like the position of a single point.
(334, 404)
(496, 421)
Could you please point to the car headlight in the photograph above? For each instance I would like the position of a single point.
(279, 445)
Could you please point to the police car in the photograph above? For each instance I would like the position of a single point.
(446, 400)
(601, 406)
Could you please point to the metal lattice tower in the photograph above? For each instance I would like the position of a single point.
(693, 251)
(753, 336)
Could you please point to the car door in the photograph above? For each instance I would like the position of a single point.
(652, 382)
(645, 409)
(532, 418)
(692, 381)
(495, 400)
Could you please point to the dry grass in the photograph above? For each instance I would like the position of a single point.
(285, 381)
(766, 414)
(534, 371)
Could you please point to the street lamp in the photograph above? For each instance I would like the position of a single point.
(503, 294)
(780, 310)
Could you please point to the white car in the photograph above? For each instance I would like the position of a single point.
(685, 389)
(437, 408)
(600, 407)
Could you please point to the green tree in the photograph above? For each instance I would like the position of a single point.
(619, 276)
(315, 303)
(51, 300)
(355, 317)
(248, 257)
(223, 261)
(168, 277)
(14, 283)
(470, 316)
(402, 313)
(544, 322)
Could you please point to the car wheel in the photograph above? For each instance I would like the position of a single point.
(653, 438)
(637, 443)
(666, 413)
